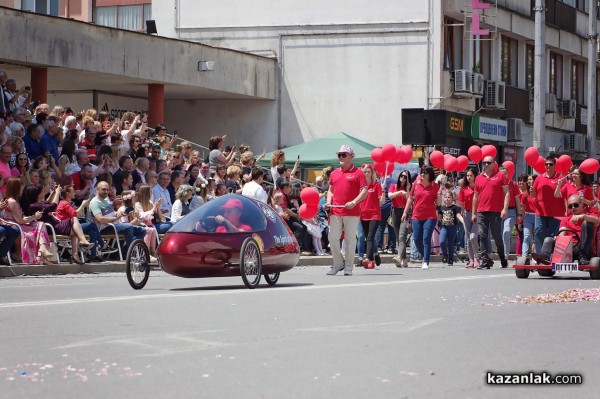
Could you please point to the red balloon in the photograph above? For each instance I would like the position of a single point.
(540, 165)
(399, 155)
(495, 166)
(450, 163)
(589, 166)
(377, 155)
(389, 152)
(475, 153)
(379, 168)
(531, 156)
(488, 150)
(463, 163)
(308, 212)
(566, 163)
(310, 196)
(408, 153)
(510, 167)
(437, 159)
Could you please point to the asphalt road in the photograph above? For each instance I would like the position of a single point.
(387, 333)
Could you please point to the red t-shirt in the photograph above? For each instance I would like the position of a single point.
(400, 200)
(65, 211)
(370, 209)
(223, 229)
(513, 191)
(490, 191)
(345, 186)
(584, 192)
(90, 148)
(546, 203)
(78, 182)
(465, 196)
(527, 203)
(567, 223)
(424, 201)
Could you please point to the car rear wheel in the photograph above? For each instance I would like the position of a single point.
(272, 278)
(595, 274)
(250, 263)
(137, 265)
(522, 273)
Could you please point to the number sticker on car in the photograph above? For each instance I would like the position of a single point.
(565, 267)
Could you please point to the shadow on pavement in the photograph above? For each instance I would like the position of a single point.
(241, 287)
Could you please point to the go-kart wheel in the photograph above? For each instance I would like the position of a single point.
(522, 260)
(595, 274)
(137, 265)
(272, 279)
(250, 263)
(546, 272)
(522, 273)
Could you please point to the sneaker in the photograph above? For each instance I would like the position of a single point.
(584, 261)
(405, 262)
(444, 259)
(377, 259)
(348, 271)
(333, 271)
(397, 261)
(425, 266)
(371, 265)
(470, 264)
(503, 262)
(450, 263)
(486, 264)
(365, 263)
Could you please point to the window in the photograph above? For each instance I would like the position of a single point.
(555, 74)
(482, 58)
(453, 51)
(509, 61)
(578, 81)
(131, 17)
(48, 7)
(529, 66)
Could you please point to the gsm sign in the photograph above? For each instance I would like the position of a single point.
(457, 124)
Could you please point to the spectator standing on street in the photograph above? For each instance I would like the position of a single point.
(490, 206)
(548, 207)
(347, 189)
(423, 200)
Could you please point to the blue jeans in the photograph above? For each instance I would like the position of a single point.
(460, 236)
(545, 226)
(507, 227)
(447, 237)
(130, 232)
(91, 229)
(360, 244)
(385, 214)
(528, 229)
(422, 232)
(162, 227)
(9, 235)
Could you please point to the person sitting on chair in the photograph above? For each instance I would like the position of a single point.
(584, 224)
(230, 220)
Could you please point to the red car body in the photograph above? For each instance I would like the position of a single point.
(192, 248)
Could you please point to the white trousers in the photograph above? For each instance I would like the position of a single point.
(347, 224)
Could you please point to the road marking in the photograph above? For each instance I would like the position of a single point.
(395, 326)
(133, 297)
(47, 285)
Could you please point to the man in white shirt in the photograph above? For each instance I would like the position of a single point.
(160, 191)
(254, 189)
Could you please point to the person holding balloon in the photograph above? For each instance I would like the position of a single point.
(347, 189)
(370, 213)
(465, 201)
(579, 184)
(490, 207)
(423, 200)
(549, 207)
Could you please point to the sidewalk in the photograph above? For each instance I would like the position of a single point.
(117, 266)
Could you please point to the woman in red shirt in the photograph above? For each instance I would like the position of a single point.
(527, 201)
(465, 201)
(66, 211)
(398, 193)
(424, 196)
(580, 184)
(370, 213)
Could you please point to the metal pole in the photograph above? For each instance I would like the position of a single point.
(539, 79)
(591, 81)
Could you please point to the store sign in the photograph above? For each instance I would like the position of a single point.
(509, 153)
(458, 125)
(489, 129)
(477, 9)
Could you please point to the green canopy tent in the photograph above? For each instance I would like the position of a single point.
(320, 153)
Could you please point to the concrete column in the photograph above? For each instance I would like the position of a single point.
(156, 104)
(39, 84)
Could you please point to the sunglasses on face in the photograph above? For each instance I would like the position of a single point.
(487, 163)
(549, 164)
(403, 176)
(574, 205)
(343, 155)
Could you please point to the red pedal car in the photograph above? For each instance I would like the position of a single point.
(561, 261)
(231, 235)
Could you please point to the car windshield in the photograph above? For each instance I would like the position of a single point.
(230, 213)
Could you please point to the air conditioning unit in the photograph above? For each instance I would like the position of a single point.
(515, 126)
(463, 81)
(567, 109)
(551, 103)
(495, 94)
(478, 84)
(576, 142)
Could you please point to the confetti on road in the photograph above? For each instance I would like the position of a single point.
(572, 295)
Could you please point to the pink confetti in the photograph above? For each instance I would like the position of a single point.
(572, 295)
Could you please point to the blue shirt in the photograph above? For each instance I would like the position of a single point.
(33, 148)
(388, 202)
(50, 144)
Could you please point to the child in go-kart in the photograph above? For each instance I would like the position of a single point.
(584, 224)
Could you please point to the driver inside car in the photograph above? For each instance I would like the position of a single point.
(230, 220)
(584, 224)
